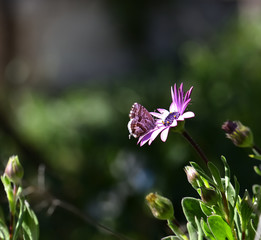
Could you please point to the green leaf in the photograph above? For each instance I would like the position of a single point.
(30, 224)
(9, 193)
(208, 211)
(20, 219)
(191, 208)
(4, 233)
(192, 231)
(170, 238)
(206, 230)
(237, 188)
(231, 194)
(238, 224)
(200, 232)
(201, 172)
(216, 176)
(257, 195)
(231, 213)
(220, 228)
(258, 157)
(227, 171)
(257, 170)
(251, 232)
(246, 210)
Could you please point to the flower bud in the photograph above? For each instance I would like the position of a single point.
(14, 170)
(209, 196)
(160, 207)
(192, 176)
(240, 135)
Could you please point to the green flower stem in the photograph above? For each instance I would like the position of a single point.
(195, 146)
(12, 214)
(174, 226)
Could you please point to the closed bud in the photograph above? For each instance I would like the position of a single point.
(192, 176)
(240, 135)
(14, 170)
(160, 207)
(209, 196)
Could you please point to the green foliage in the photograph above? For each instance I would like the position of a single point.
(4, 233)
(191, 208)
(72, 129)
(171, 238)
(23, 223)
(220, 228)
(230, 217)
(30, 223)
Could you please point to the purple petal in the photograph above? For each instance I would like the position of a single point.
(181, 89)
(174, 123)
(164, 134)
(145, 137)
(162, 110)
(144, 142)
(155, 134)
(188, 115)
(188, 93)
(173, 107)
(181, 118)
(172, 94)
(180, 95)
(175, 93)
(184, 106)
(159, 121)
(158, 115)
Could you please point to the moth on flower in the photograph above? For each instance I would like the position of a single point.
(141, 121)
(143, 125)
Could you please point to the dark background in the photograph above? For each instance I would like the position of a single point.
(69, 73)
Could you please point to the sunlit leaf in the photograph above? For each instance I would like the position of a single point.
(30, 224)
(191, 208)
(208, 211)
(258, 157)
(170, 238)
(20, 219)
(215, 175)
(199, 230)
(201, 172)
(4, 233)
(227, 171)
(220, 228)
(192, 231)
(257, 170)
(206, 230)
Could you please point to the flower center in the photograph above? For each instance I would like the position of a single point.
(170, 118)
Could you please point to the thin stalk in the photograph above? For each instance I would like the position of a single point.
(243, 235)
(78, 213)
(195, 146)
(12, 214)
(174, 226)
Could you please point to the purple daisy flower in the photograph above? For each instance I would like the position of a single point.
(168, 119)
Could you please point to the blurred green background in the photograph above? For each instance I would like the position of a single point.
(70, 72)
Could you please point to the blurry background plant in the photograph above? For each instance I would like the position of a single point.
(70, 72)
